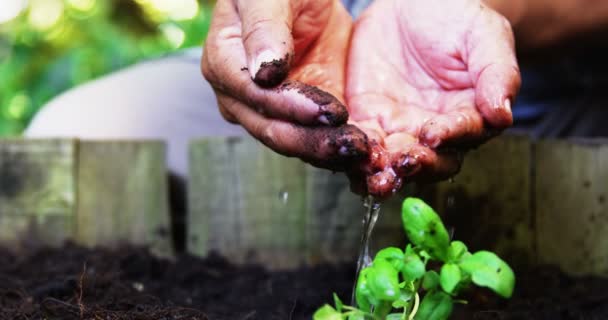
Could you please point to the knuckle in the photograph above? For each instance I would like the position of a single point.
(268, 135)
(206, 69)
(227, 115)
(256, 29)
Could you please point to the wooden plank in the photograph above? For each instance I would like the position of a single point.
(246, 202)
(254, 205)
(571, 203)
(122, 195)
(37, 195)
(487, 204)
(333, 216)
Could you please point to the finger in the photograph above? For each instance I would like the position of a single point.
(494, 67)
(292, 101)
(462, 127)
(415, 162)
(326, 147)
(267, 39)
(327, 45)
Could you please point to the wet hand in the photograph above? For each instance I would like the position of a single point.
(427, 80)
(278, 68)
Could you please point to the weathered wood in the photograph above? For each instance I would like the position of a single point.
(487, 204)
(571, 205)
(122, 195)
(37, 194)
(252, 205)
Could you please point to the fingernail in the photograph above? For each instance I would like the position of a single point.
(323, 119)
(335, 112)
(268, 69)
(507, 104)
(432, 138)
(256, 61)
(406, 165)
(432, 141)
(349, 141)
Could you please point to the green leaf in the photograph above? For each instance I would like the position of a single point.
(394, 316)
(393, 255)
(338, 302)
(413, 267)
(488, 270)
(436, 305)
(362, 293)
(424, 228)
(450, 277)
(357, 316)
(327, 312)
(456, 250)
(383, 281)
(430, 280)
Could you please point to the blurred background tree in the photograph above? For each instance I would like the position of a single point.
(49, 46)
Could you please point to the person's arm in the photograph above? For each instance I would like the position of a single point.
(539, 23)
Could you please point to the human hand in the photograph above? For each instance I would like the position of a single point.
(303, 41)
(427, 80)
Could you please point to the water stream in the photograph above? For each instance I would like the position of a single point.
(372, 211)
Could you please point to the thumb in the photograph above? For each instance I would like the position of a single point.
(266, 34)
(494, 68)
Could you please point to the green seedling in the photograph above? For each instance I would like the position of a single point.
(392, 286)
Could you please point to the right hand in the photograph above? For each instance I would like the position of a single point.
(278, 69)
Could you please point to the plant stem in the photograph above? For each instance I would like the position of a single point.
(382, 310)
(415, 308)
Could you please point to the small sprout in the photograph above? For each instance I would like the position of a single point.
(389, 288)
(338, 303)
(456, 251)
(327, 312)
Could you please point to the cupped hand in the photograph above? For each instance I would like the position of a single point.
(427, 80)
(278, 69)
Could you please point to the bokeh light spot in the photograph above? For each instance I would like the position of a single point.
(10, 9)
(45, 13)
(174, 34)
(18, 106)
(173, 9)
(82, 5)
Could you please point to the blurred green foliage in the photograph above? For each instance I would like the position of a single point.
(50, 46)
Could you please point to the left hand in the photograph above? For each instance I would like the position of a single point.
(426, 81)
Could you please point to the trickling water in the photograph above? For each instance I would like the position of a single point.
(450, 201)
(372, 211)
(283, 196)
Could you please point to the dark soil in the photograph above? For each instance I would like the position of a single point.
(77, 283)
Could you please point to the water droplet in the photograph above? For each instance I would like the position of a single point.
(138, 286)
(283, 196)
(450, 201)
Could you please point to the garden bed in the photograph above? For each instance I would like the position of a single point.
(129, 283)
